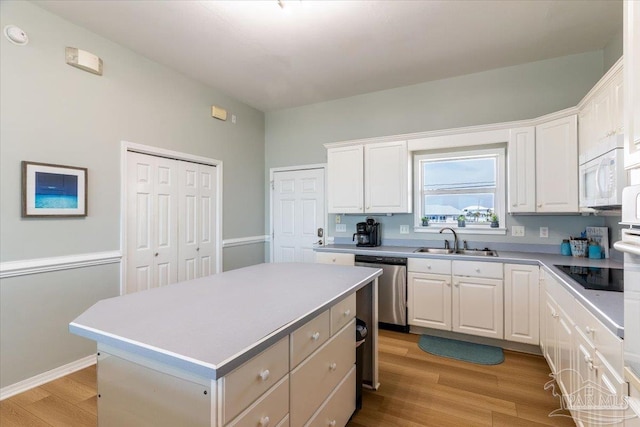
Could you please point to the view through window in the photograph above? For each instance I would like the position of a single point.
(459, 187)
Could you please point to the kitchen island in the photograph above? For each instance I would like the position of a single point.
(270, 344)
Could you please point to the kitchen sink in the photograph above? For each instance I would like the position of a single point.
(445, 251)
(434, 250)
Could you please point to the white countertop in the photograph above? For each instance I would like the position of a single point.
(211, 325)
(606, 306)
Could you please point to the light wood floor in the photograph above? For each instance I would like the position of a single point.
(418, 389)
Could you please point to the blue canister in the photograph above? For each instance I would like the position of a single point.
(565, 248)
(595, 251)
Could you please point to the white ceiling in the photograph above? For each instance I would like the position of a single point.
(312, 51)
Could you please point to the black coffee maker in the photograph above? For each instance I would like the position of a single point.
(367, 233)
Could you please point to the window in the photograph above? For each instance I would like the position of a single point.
(465, 185)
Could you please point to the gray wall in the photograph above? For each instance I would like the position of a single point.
(54, 113)
(295, 136)
(612, 50)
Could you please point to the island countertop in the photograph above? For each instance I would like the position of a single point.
(211, 325)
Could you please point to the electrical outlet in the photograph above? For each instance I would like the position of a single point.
(338, 219)
(404, 229)
(544, 232)
(233, 119)
(517, 231)
(341, 228)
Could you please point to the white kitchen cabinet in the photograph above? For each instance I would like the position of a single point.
(477, 298)
(369, 178)
(557, 166)
(631, 40)
(335, 258)
(345, 179)
(429, 300)
(587, 139)
(429, 293)
(387, 179)
(549, 334)
(522, 169)
(521, 303)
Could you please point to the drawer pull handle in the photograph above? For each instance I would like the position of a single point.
(332, 423)
(477, 270)
(589, 330)
(264, 375)
(587, 359)
(333, 366)
(264, 421)
(347, 312)
(315, 336)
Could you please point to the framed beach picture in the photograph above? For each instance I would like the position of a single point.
(53, 190)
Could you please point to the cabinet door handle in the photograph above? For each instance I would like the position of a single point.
(332, 423)
(477, 270)
(264, 375)
(264, 421)
(589, 330)
(456, 284)
(156, 254)
(428, 267)
(539, 205)
(347, 312)
(315, 336)
(333, 366)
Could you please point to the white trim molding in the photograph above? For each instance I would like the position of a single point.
(241, 241)
(45, 377)
(44, 265)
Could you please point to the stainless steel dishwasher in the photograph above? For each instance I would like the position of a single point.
(392, 290)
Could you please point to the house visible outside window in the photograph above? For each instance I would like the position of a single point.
(467, 185)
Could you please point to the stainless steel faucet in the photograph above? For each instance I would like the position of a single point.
(455, 238)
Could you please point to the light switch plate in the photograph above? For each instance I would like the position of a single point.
(544, 232)
(341, 228)
(404, 229)
(517, 231)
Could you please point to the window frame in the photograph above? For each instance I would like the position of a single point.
(500, 196)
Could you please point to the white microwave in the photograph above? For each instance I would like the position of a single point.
(602, 180)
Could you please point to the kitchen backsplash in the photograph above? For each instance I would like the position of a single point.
(559, 227)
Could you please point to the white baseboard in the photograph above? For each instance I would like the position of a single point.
(45, 377)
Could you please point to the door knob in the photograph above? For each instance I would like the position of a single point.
(156, 254)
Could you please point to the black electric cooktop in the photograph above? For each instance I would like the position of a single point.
(598, 278)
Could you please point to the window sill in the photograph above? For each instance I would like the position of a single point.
(478, 229)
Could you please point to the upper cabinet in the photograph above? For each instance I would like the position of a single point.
(632, 84)
(522, 169)
(557, 165)
(543, 167)
(601, 115)
(369, 178)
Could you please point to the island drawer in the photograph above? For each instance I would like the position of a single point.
(270, 408)
(490, 270)
(316, 377)
(246, 383)
(427, 265)
(342, 313)
(339, 406)
(309, 337)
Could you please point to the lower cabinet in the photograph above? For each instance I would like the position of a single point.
(477, 298)
(335, 258)
(429, 293)
(521, 303)
(584, 356)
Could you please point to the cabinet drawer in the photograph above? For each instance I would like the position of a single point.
(337, 409)
(244, 384)
(309, 337)
(426, 265)
(492, 270)
(316, 377)
(342, 312)
(272, 407)
(600, 337)
(335, 258)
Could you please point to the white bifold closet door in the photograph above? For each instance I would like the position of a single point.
(170, 221)
(196, 228)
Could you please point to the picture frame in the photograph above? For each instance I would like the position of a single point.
(50, 190)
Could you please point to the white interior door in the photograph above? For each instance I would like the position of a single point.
(152, 226)
(298, 214)
(196, 228)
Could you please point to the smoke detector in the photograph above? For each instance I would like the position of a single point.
(15, 35)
